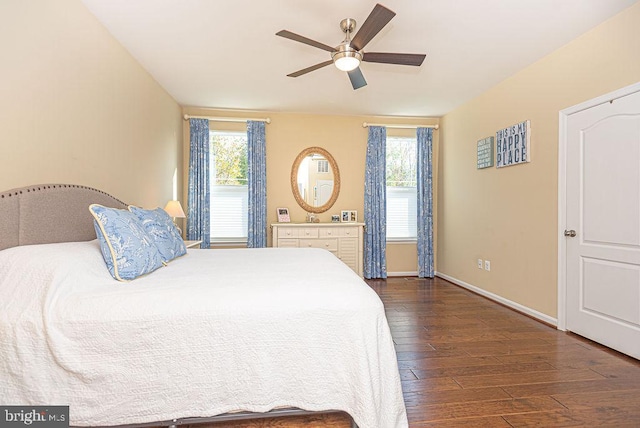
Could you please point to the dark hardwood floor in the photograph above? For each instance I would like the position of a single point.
(466, 361)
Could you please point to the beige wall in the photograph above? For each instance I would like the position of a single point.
(509, 216)
(346, 140)
(75, 107)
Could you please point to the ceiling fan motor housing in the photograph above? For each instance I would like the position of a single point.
(345, 57)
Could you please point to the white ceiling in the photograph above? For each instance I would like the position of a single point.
(224, 53)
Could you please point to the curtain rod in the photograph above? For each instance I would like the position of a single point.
(226, 119)
(364, 125)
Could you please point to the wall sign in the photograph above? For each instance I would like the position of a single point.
(485, 153)
(512, 144)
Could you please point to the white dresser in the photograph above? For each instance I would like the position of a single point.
(344, 240)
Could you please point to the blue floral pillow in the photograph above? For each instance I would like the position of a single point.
(164, 233)
(128, 250)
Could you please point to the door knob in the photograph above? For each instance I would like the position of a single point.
(570, 233)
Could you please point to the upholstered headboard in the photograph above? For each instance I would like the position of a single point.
(48, 213)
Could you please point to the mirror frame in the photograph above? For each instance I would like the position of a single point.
(294, 180)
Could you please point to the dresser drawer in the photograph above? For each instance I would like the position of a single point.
(328, 232)
(288, 243)
(308, 232)
(350, 260)
(287, 232)
(349, 232)
(327, 244)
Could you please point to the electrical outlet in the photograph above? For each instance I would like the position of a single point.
(479, 263)
(487, 265)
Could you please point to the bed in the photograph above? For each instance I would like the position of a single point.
(214, 334)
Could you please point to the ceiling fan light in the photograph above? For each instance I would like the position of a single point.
(346, 58)
(347, 63)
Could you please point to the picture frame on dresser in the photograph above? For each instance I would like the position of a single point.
(350, 216)
(283, 215)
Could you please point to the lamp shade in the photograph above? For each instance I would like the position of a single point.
(174, 209)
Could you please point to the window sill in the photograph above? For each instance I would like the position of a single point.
(402, 241)
(229, 243)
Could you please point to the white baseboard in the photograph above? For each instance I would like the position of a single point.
(402, 274)
(513, 305)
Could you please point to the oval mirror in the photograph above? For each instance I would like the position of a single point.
(315, 180)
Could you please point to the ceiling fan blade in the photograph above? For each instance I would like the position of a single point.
(298, 38)
(394, 58)
(377, 19)
(357, 79)
(310, 69)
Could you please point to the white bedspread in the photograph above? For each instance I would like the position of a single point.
(215, 331)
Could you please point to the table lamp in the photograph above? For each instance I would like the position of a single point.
(174, 209)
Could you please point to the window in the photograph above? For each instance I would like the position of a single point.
(402, 208)
(229, 192)
(323, 166)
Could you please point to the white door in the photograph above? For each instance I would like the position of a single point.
(324, 189)
(603, 208)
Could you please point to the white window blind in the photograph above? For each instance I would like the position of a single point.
(228, 211)
(402, 212)
(402, 208)
(229, 192)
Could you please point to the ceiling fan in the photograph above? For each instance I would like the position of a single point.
(348, 54)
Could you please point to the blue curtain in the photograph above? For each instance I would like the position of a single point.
(198, 217)
(375, 204)
(257, 184)
(425, 203)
